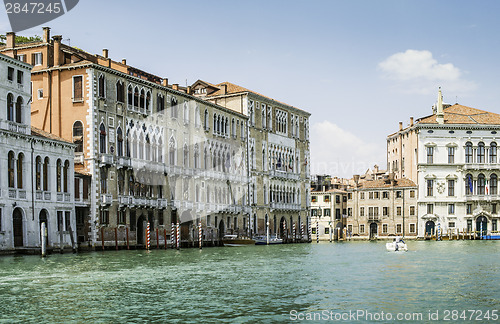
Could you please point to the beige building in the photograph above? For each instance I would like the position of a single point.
(381, 209)
(278, 155)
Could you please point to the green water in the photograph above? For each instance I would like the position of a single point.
(252, 284)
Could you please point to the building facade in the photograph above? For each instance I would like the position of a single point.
(381, 209)
(457, 168)
(278, 155)
(36, 181)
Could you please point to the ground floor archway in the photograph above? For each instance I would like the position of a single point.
(373, 230)
(17, 226)
(429, 228)
(482, 225)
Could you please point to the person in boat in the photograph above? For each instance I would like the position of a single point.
(396, 243)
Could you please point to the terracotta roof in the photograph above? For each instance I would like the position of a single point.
(386, 183)
(232, 88)
(41, 133)
(458, 114)
(329, 191)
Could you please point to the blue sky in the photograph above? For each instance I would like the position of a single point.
(359, 67)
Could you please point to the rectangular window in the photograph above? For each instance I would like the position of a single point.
(451, 155)
(22, 58)
(375, 211)
(20, 77)
(430, 187)
(362, 195)
(412, 210)
(132, 221)
(59, 220)
(451, 188)
(121, 216)
(104, 216)
(384, 228)
(77, 88)
(412, 228)
(349, 228)
(362, 211)
(385, 211)
(208, 221)
(314, 198)
(494, 226)
(349, 195)
(451, 224)
(385, 194)
(313, 230)
(326, 198)
(398, 211)
(469, 225)
(327, 212)
(412, 193)
(362, 228)
(399, 194)
(430, 154)
(36, 59)
(67, 221)
(327, 230)
(40, 93)
(430, 209)
(493, 208)
(10, 73)
(349, 212)
(376, 195)
(337, 199)
(337, 213)
(451, 209)
(370, 195)
(399, 228)
(468, 209)
(314, 212)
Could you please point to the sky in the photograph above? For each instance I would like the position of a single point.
(358, 66)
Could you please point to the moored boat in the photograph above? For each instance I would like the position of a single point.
(262, 240)
(234, 240)
(396, 246)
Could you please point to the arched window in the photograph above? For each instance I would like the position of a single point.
(104, 182)
(263, 118)
(206, 121)
(148, 100)
(160, 103)
(140, 146)
(480, 184)
(10, 107)
(101, 86)
(38, 173)
(58, 175)
(171, 151)
(131, 184)
(468, 152)
(196, 156)
(493, 184)
(186, 113)
(142, 99)
(120, 89)
(186, 156)
(148, 149)
(78, 136)
(19, 109)
(215, 123)
(65, 176)
(197, 117)
(46, 174)
(102, 138)
(11, 165)
(160, 150)
(206, 163)
(480, 152)
(136, 97)
(130, 96)
(493, 152)
(173, 107)
(119, 141)
(233, 128)
(20, 159)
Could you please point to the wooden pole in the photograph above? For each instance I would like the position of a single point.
(102, 237)
(128, 246)
(157, 239)
(116, 238)
(165, 237)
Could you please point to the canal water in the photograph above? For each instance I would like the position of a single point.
(254, 284)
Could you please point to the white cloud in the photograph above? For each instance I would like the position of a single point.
(338, 152)
(418, 72)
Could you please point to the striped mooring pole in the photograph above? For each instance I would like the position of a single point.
(293, 230)
(309, 233)
(178, 236)
(148, 236)
(200, 238)
(172, 236)
(284, 229)
(317, 232)
(439, 232)
(301, 230)
(481, 230)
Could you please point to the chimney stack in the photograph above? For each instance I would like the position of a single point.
(124, 61)
(57, 50)
(223, 88)
(46, 34)
(164, 82)
(175, 86)
(411, 121)
(105, 52)
(400, 126)
(188, 90)
(11, 39)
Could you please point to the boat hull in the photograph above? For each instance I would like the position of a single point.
(392, 246)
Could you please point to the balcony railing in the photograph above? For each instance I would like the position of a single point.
(162, 203)
(284, 206)
(124, 162)
(47, 195)
(126, 200)
(106, 199)
(59, 196)
(79, 158)
(284, 175)
(12, 193)
(107, 159)
(373, 217)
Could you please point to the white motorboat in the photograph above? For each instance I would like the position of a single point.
(396, 246)
(262, 240)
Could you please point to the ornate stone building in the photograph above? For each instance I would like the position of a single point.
(278, 155)
(36, 179)
(456, 166)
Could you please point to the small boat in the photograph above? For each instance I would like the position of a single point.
(234, 240)
(396, 246)
(262, 240)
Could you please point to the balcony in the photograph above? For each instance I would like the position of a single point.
(124, 162)
(67, 197)
(16, 127)
(39, 195)
(106, 199)
(284, 175)
(79, 158)
(373, 218)
(481, 166)
(12, 193)
(47, 195)
(106, 159)
(162, 203)
(59, 196)
(284, 206)
(126, 201)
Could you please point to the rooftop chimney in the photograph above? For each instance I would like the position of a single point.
(411, 121)
(188, 90)
(175, 86)
(440, 112)
(400, 126)
(11, 39)
(105, 52)
(223, 88)
(46, 34)
(164, 82)
(124, 61)
(57, 50)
